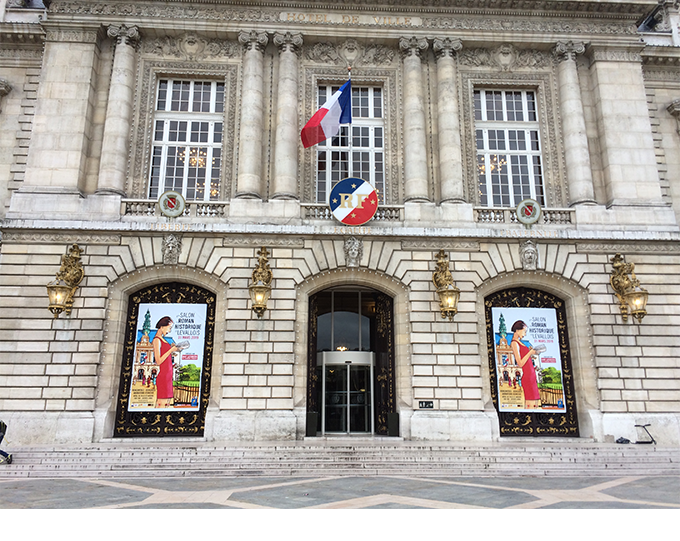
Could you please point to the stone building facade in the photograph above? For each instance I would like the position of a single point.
(86, 149)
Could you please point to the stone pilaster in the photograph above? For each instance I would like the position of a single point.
(249, 181)
(631, 176)
(113, 162)
(577, 155)
(415, 141)
(450, 157)
(287, 135)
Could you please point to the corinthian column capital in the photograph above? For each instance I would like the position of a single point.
(121, 33)
(446, 47)
(288, 42)
(253, 40)
(567, 50)
(412, 46)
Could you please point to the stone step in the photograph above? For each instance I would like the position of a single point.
(197, 459)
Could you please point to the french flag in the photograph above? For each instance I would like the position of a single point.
(326, 121)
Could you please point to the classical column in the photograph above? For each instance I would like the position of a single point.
(576, 153)
(415, 155)
(249, 181)
(287, 138)
(450, 157)
(113, 163)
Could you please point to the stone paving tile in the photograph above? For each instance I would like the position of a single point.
(62, 494)
(180, 506)
(600, 505)
(325, 492)
(655, 489)
(538, 483)
(206, 483)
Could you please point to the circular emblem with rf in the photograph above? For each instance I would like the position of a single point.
(353, 201)
(171, 204)
(528, 211)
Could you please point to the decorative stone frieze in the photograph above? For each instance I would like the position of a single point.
(191, 47)
(505, 58)
(350, 52)
(72, 36)
(600, 54)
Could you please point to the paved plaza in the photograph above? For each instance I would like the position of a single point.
(375, 492)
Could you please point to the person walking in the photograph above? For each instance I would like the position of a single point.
(3, 431)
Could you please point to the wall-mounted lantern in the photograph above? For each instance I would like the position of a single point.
(61, 290)
(632, 298)
(446, 289)
(261, 286)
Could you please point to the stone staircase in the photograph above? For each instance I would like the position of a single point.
(127, 459)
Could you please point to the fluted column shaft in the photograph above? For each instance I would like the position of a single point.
(249, 181)
(113, 162)
(286, 142)
(577, 155)
(450, 157)
(415, 141)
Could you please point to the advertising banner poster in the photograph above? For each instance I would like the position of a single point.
(529, 371)
(168, 359)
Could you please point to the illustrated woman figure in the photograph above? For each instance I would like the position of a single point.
(523, 358)
(162, 352)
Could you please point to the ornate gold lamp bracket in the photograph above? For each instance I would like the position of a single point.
(632, 298)
(261, 287)
(446, 289)
(61, 290)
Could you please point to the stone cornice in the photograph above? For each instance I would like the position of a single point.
(83, 228)
(630, 10)
(21, 33)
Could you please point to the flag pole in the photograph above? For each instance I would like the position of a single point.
(349, 128)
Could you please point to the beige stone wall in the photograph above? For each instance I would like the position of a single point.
(72, 364)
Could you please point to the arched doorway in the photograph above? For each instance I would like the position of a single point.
(530, 367)
(166, 368)
(350, 383)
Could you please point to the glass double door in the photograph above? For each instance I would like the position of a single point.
(347, 393)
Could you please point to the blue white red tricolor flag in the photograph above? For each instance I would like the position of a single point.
(353, 201)
(326, 121)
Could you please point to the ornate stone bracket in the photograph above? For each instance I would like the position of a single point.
(253, 40)
(674, 110)
(446, 47)
(288, 42)
(5, 88)
(567, 50)
(412, 46)
(128, 34)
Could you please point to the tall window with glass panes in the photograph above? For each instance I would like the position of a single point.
(509, 163)
(358, 150)
(187, 142)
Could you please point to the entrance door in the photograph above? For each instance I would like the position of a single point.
(347, 392)
(350, 383)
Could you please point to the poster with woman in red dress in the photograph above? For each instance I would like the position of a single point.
(168, 358)
(528, 360)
